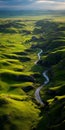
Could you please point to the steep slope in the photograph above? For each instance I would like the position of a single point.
(53, 58)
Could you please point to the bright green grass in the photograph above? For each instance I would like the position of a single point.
(19, 111)
(18, 107)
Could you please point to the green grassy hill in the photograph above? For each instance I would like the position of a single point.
(20, 42)
(17, 109)
(53, 58)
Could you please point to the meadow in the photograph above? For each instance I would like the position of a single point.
(20, 41)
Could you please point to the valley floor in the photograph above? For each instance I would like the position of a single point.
(27, 100)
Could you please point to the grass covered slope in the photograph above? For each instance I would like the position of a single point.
(53, 94)
(20, 40)
(17, 110)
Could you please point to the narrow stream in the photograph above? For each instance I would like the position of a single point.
(37, 92)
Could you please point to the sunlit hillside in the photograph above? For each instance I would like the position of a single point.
(21, 73)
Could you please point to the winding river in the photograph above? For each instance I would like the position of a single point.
(37, 92)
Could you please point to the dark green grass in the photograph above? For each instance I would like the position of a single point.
(20, 41)
(53, 94)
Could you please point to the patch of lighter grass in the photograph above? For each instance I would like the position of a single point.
(60, 97)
